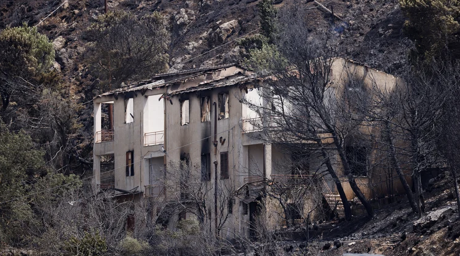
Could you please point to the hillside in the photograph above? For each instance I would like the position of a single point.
(205, 33)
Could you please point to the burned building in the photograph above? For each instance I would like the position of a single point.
(188, 138)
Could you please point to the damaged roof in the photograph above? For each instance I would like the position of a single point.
(236, 79)
(166, 79)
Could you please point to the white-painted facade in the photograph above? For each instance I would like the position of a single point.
(198, 117)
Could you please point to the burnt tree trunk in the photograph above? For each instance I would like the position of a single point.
(397, 167)
(335, 178)
(417, 180)
(457, 193)
(351, 178)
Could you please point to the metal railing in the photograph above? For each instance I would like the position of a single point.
(154, 138)
(257, 124)
(299, 180)
(252, 179)
(107, 180)
(103, 135)
(251, 125)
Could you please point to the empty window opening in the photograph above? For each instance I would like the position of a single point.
(185, 112)
(224, 165)
(300, 162)
(184, 176)
(129, 111)
(245, 208)
(130, 223)
(293, 212)
(154, 120)
(130, 163)
(223, 106)
(103, 122)
(205, 109)
(230, 205)
(205, 167)
(107, 171)
(357, 160)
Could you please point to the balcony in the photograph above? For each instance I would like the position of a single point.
(253, 179)
(153, 138)
(251, 125)
(103, 136)
(107, 180)
(295, 180)
(154, 190)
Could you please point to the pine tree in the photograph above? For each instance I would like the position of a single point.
(434, 27)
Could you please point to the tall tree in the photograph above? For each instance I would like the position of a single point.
(303, 103)
(267, 14)
(434, 27)
(25, 59)
(126, 47)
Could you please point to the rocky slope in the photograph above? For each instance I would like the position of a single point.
(206, 32)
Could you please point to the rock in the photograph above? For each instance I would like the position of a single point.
(227, 28)
(431, 218)
(222, 33)
(191, 46)
(59, 43)
(56, 66)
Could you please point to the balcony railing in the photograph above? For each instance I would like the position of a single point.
(251, 125)
(107, 180)
(154, 190)
(301, 180)
(253, 179)
(271, 123)
(103, 135)
(154, 138)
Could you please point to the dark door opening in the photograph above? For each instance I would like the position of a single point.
(254, 214)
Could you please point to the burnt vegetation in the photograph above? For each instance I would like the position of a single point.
(56, 56)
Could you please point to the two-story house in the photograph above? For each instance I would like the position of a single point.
(186, 137)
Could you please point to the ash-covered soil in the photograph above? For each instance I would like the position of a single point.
(393, 231)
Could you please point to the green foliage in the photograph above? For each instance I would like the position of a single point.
(19, 163)
(434, 27)
(267, 13)
(251, 43)
(265, 59)
(91, 244)
(25, 59)
(132, 246)
(126, 47)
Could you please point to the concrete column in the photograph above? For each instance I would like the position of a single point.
(268, 160)
(96, 173)
(97, 118)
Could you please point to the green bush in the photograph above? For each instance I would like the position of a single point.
(92, 244)
(132, 246)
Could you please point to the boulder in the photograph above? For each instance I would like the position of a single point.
(426, 222)
(59, 43)
(222, 32)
